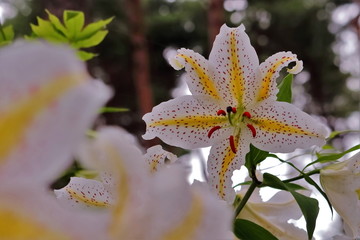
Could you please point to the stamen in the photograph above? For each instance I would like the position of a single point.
(221, 112)
(212, 130)
(232, 144)
(252, 129)
(247, 114)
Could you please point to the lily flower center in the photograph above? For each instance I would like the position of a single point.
(236, 119)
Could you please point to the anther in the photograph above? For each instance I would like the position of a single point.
(212, 130)
(252, 129)
(234, 110)
(229, 109)
(247, 114)
(221, 112)
(232, 144)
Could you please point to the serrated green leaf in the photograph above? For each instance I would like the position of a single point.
(83, 55)
(247, 230)
(112, 110)
(285, 92)
(91, 41)
(92, 28)
(309, 206)
(74, 22)
(45, 30)
(329, 157)
(56, 23)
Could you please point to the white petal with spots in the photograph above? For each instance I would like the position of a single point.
(186, 122)
(221, 164)
(157, 158)
(234, 61)
(281, 127)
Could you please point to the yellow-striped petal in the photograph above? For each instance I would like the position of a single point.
(157, 158)
(40, 121)
(85, 193)
(222, 162)
(265, 86)
(198, 75)
(186, 122)
(235, 62)
(281, 127)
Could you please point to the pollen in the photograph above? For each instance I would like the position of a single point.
(221, 112)
(232, 144)
(212, 130)
(247, 114)
(252, 129)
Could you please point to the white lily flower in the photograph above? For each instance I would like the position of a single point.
(341, 182)
(274, 214)
(42, 89)
(233, 104)
(147, 206)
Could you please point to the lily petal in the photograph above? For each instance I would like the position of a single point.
(158, 157)
(40, 122)
(186, 122)
(268, 73)
(190, 212)
(341, 182)
(281, 127)
(198, 77)
(221, 164)
(85, 193)
(273, 215)
(235, 61)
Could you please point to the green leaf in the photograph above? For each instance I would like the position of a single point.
(247, 230)
(92, 28)
(45, 30)
(83, 55)
(329, 157)
(285, 93)
(336, 133)
(74, 22)
(91, 41)
(6, 35)
(309, 206)
(254, 157)
(112, 110)
(55, 21)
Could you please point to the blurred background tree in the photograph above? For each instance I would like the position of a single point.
(132, 57)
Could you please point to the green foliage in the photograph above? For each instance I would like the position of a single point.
(246, 230)
(72, 31)
(285, 93)
(112, 110)
(309, 206)
(254, 157)
(6, 35)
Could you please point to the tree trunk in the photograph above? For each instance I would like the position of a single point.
(140, 55)
(216, 18)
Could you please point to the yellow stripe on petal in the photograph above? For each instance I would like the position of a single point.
(16, 227)
(236, 73)
(194, 121)
(19, 116)
(272, 126)
(188, 226)
(229, 157)
(203, 77)
(268, 79)
(86, 200)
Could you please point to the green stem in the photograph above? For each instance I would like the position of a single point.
(316, 171)
(245, 198)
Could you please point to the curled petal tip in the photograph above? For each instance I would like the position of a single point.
(175, 63)
(297, 68)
